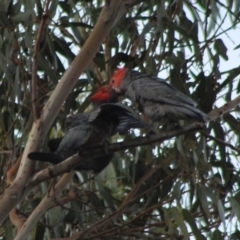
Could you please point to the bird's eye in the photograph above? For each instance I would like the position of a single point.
(113, 81)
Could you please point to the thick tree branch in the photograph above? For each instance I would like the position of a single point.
(13, 170)
(227, 107)
(43, 206)
(15, 219)
(13, 215)
(13, 194)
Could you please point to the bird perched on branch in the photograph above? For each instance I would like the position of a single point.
(92, 128)
(95, 164)
(155, 98)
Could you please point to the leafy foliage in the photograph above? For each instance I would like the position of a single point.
(183, 188)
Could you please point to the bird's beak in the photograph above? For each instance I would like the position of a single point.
(117, 90)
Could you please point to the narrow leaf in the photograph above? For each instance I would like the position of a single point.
(178, 217)
(192, 222)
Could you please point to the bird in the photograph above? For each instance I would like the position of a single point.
(94, 164)
(92, 128)
(155, 98)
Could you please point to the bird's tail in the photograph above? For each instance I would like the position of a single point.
(190, 112)
(52, 158)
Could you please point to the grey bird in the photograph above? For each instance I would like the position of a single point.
(155, 98)
(92, 128)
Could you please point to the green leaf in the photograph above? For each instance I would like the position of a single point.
(202, 196)
(174, 60)
(151, 68)
(39, 235)
(75, 24)
(53, 8)
(221, 213)
(210, 194)
(177, 191)
(168, 222)
(9, 233)
(217, 235)
(220, 134)
(107, 196)
(96, 202)
(4, 21)
(221, 49)
(191, 221)
(178, 217)
(235, 207)
(25, 17)
(235, 235)
(47, 68)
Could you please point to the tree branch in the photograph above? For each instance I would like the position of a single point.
(43, 206)
(221, 142)
(16, 221)
(34, 92)
(227, 107)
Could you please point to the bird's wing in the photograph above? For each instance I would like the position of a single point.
(93, 115)
(151, 89)
(117, 116)
(75, 137)
(76, 120)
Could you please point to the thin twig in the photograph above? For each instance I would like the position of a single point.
(34, 89)
(107, 56)
(221, 141)
(96, 71)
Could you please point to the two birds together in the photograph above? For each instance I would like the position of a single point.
(156, 99)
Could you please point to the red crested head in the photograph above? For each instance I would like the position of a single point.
(117, 77)
(104, 94)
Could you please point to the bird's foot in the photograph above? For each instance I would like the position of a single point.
(173, 126)
(105, 146)
(152, 129)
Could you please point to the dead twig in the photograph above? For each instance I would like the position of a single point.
(34, 94)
